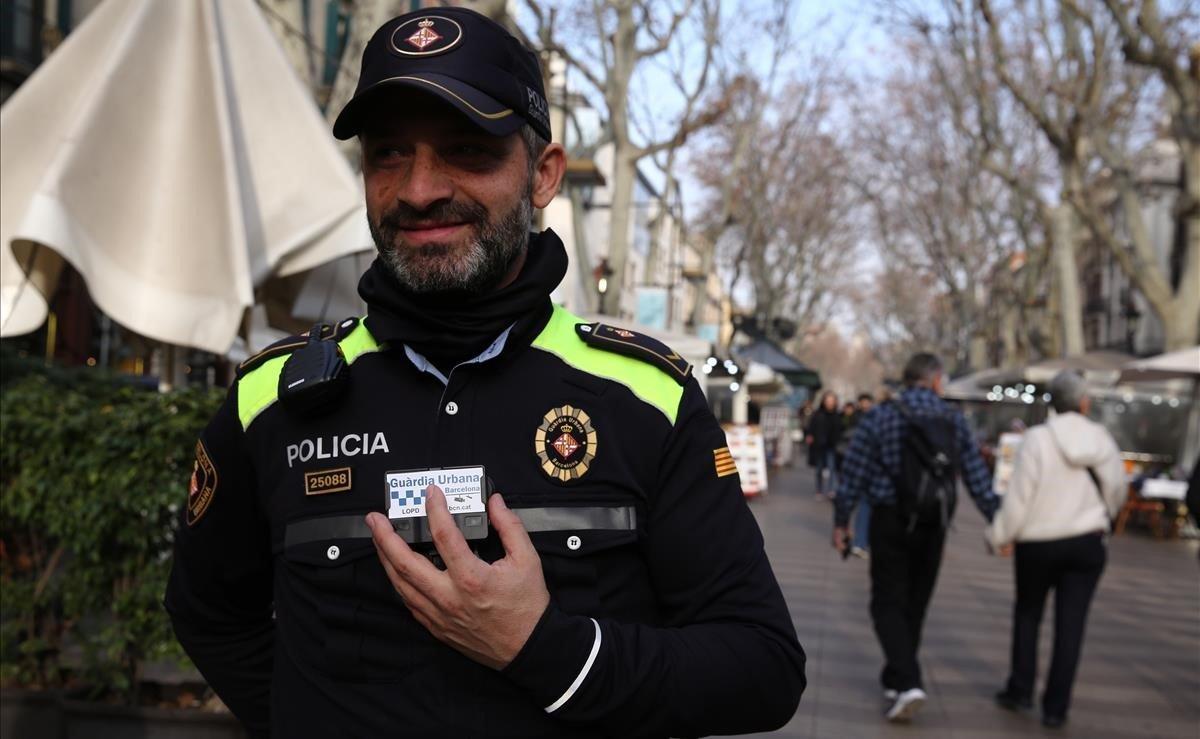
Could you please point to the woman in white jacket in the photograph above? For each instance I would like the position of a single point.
(1067, 484)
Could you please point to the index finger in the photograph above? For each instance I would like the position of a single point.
(448, 540)
(508, 525)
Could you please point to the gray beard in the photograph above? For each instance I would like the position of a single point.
(433, 268)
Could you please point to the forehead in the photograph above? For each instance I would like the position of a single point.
(405, 112)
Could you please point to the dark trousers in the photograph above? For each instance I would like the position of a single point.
(904, 569)
(826, 461)
(1072, 568)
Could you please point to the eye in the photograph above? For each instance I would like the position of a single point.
(386, 152)
(471, 153)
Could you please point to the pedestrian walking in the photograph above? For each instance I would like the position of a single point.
(824, 431)
(904, 460)
(1067, 484)
(861, 530)
(848, 419)
(342, 567)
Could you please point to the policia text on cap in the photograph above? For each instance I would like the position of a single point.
(621, 588)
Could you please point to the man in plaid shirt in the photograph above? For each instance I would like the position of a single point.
(905, 556)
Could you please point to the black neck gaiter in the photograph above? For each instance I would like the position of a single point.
(453, 326)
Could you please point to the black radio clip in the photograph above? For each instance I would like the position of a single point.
(314, 376)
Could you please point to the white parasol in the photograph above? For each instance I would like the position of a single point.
(168, 152)
(1181, 364)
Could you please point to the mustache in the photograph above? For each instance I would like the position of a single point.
(404, 216)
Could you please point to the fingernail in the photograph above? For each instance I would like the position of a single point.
(500, 501)
(373, 520)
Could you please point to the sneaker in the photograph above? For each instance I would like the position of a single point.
(1010, 702)
(1050, 721)
(860, 552)
(890, 695)
(906, 706)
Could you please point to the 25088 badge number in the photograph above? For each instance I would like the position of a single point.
(327, 481)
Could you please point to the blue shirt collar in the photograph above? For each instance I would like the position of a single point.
(491, 352)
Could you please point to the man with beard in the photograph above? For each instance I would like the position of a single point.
(335, 573)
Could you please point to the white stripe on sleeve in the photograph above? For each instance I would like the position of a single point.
(587, 666)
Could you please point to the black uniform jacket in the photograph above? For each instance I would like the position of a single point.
(665, 617)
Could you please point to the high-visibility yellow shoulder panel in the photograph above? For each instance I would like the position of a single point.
(259, 388)
(647, 382)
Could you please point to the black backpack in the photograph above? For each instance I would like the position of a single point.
(927, 479)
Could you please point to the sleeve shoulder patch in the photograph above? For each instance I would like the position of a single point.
(635, 345)
(203, 485)
(336, 332)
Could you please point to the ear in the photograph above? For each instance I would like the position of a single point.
(548, 175)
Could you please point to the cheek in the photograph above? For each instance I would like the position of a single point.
(497, 197)
(379, 189)
(498, 191)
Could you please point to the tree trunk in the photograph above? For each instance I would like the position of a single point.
(625, 152)
(1176, 304)
(977, 357)
(583, 253)
(1052, 323)
(619, 215)
(1067, 272)
(1181, 324)
(659, 232)
(706, 266)
(1008, 339)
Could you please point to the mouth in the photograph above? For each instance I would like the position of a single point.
(425, 233)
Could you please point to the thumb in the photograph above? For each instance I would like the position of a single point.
(513, 536)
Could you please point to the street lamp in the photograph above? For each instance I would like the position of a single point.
(601, 274)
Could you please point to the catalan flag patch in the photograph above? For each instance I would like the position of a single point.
(724, 462)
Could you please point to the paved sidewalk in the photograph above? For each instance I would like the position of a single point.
(1139, 677)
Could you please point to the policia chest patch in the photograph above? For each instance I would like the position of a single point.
(203, 485)
(565, 443)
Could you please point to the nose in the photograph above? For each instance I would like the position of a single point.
(426, 181)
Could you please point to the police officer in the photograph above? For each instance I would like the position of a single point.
(621, 589)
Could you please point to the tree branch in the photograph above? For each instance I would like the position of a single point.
(1057, 137)
(662, 41)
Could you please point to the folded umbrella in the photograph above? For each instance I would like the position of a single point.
(168, 152)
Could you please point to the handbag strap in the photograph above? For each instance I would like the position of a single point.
(1100, 492)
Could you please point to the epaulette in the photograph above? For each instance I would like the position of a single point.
(336, 331)
(635, 345)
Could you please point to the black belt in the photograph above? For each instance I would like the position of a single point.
(597, 518)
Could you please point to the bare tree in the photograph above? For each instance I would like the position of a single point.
(933, 204)
(780, 206)
(1060, 64)
(1162, 48)
(774, 172)
(667, 226)
(893, 316)
(1007, 146)
(848, 366)
(625, 36)
(1052, 54)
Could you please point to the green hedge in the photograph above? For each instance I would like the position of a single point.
(92, 474)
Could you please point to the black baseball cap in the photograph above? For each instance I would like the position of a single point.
(464, 58)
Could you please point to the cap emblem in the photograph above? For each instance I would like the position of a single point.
(426, 36)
